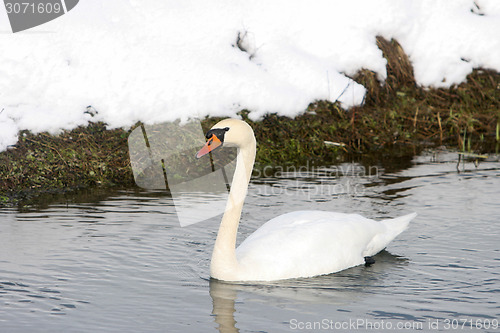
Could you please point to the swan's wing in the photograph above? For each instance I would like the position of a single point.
(307, 243)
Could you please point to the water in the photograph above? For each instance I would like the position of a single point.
(122, 263)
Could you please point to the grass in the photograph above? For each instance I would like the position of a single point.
(398, 117)
(83, 157)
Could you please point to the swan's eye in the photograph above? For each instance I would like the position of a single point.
(217, 132)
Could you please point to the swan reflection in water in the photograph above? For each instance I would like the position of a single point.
(337, 290)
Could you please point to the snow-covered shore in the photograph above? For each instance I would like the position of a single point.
(163, 60)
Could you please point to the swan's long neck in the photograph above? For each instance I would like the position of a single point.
(224, 265)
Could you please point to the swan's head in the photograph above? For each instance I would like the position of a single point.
(232, 131)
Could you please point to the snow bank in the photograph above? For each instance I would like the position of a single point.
(162, 60)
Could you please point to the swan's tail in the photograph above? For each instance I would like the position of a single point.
(398, 225)
(393, 228)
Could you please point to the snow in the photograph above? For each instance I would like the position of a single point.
(157, 61)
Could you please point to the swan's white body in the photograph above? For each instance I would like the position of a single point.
(293, 245)
(310, 243)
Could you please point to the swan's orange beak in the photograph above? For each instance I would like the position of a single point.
(211, 144)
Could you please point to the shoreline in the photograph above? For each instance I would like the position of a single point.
(397, 117)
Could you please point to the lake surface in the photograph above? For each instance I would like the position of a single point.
(120, 262)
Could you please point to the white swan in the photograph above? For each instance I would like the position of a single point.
(293, 245)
